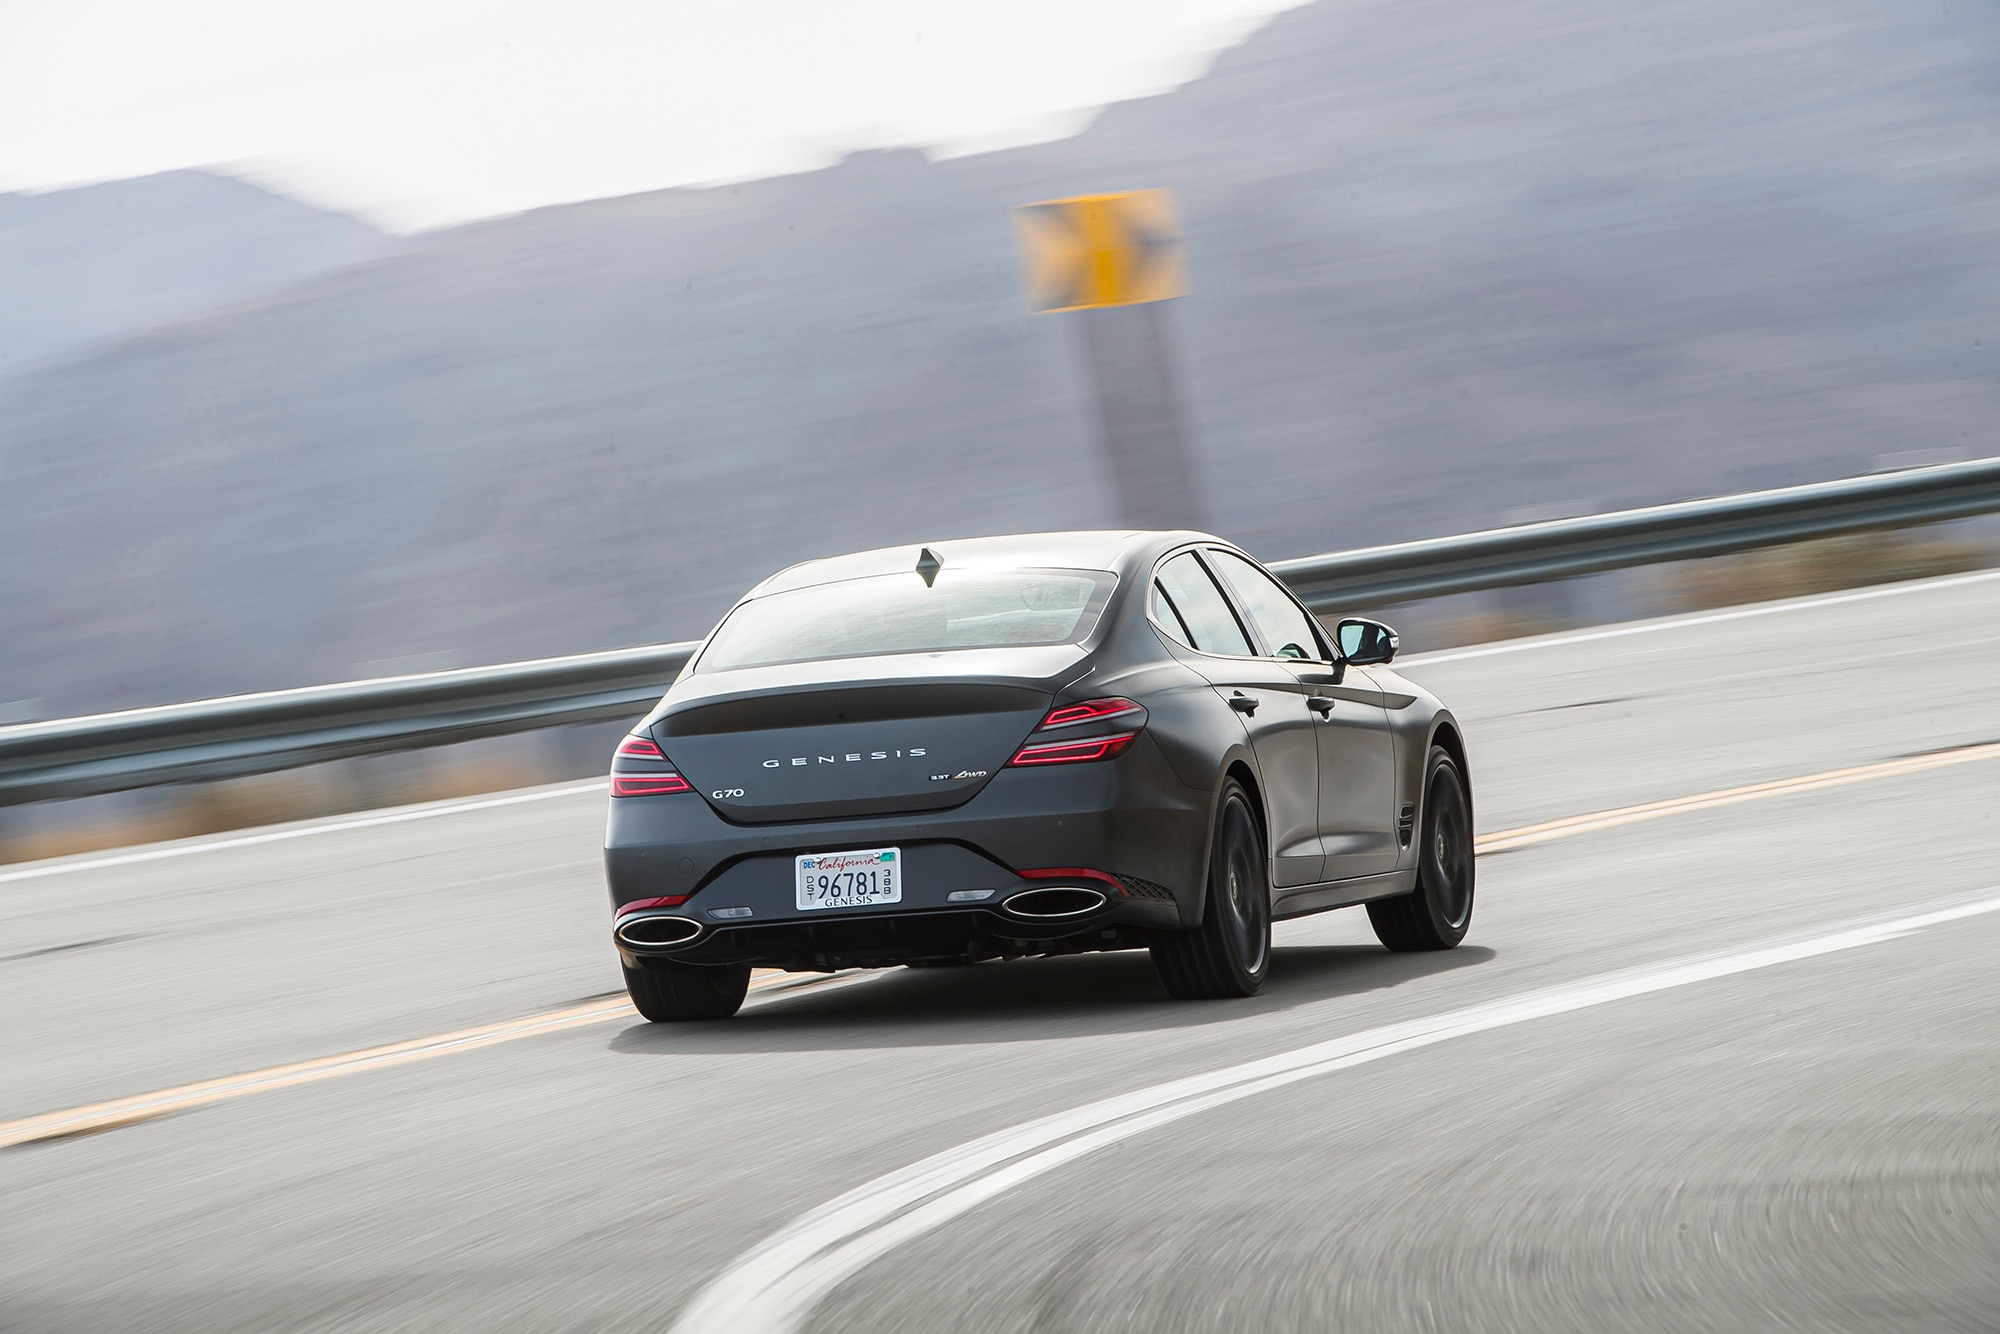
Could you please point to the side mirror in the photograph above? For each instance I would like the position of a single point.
(1365, 643)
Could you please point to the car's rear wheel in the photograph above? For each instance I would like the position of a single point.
(1436, 916)
(1229, 953)
(668, 992)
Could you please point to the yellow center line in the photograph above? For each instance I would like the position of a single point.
(1570, 826)
(125, 1111)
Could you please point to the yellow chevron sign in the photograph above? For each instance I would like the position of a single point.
(1101, 250)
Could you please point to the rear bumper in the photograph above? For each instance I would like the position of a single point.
(878, 940)
(1131, 817)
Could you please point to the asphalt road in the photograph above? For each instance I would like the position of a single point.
(1812, 1142)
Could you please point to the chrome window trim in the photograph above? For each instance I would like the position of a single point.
(1243, 614)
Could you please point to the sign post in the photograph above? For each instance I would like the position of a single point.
(1111, 258)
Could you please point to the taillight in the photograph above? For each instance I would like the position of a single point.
(1128, 716)
(639, 768)
(1075, 752)
(648, 785)
(1093, 710)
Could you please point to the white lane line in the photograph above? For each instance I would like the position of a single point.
(773, 1288)
(1706, 618)
(304, 831)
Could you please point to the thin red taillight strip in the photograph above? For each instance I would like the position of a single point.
(1074, 873)
(648, 785)
(641, 905)
(1090, 711)
(1074, 752)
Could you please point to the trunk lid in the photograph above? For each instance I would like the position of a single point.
(809, 750)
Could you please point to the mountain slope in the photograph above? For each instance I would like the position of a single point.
(1447, 259)
(103, 260)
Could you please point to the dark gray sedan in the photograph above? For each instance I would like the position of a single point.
(1045, 744)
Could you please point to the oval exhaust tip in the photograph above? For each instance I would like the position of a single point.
(1054, 902)
(656, 931)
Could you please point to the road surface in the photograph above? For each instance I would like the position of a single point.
(1805, 1136)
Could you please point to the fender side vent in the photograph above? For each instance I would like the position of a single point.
(1406, 823)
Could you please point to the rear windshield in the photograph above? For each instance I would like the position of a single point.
(898, 613)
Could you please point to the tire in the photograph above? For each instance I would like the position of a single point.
(1230, 952)
(669, 992)
(1436, 915)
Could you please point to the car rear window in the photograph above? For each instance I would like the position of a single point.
(899, 613)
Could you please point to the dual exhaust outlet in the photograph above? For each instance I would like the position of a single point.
(659, 933)
(648, 933)
(1053, 903)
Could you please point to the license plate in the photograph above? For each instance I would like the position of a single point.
(850, 879)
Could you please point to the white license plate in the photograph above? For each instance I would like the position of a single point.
(850, 879)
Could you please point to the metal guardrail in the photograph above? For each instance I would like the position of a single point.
(1535, 552)
(245, 734)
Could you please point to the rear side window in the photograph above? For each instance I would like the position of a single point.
(1288, 632)
(1192, 609)
(900, 613)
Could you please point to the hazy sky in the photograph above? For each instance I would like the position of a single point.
(421, 112)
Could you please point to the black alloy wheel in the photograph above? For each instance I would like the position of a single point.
(1437, 914)
(1230, 952)
(668, 992)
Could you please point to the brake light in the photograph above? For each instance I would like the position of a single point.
(1074, 752)
(640, 747)
(1091, 711)
(648, 785)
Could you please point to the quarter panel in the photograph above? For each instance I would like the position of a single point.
(1414, 716)
(1283, 735)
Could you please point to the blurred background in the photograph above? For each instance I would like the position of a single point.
(352, 340)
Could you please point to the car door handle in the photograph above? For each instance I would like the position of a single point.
(1320, 704)
(1242, 703)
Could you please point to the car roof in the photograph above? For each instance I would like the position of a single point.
(1108, 549)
